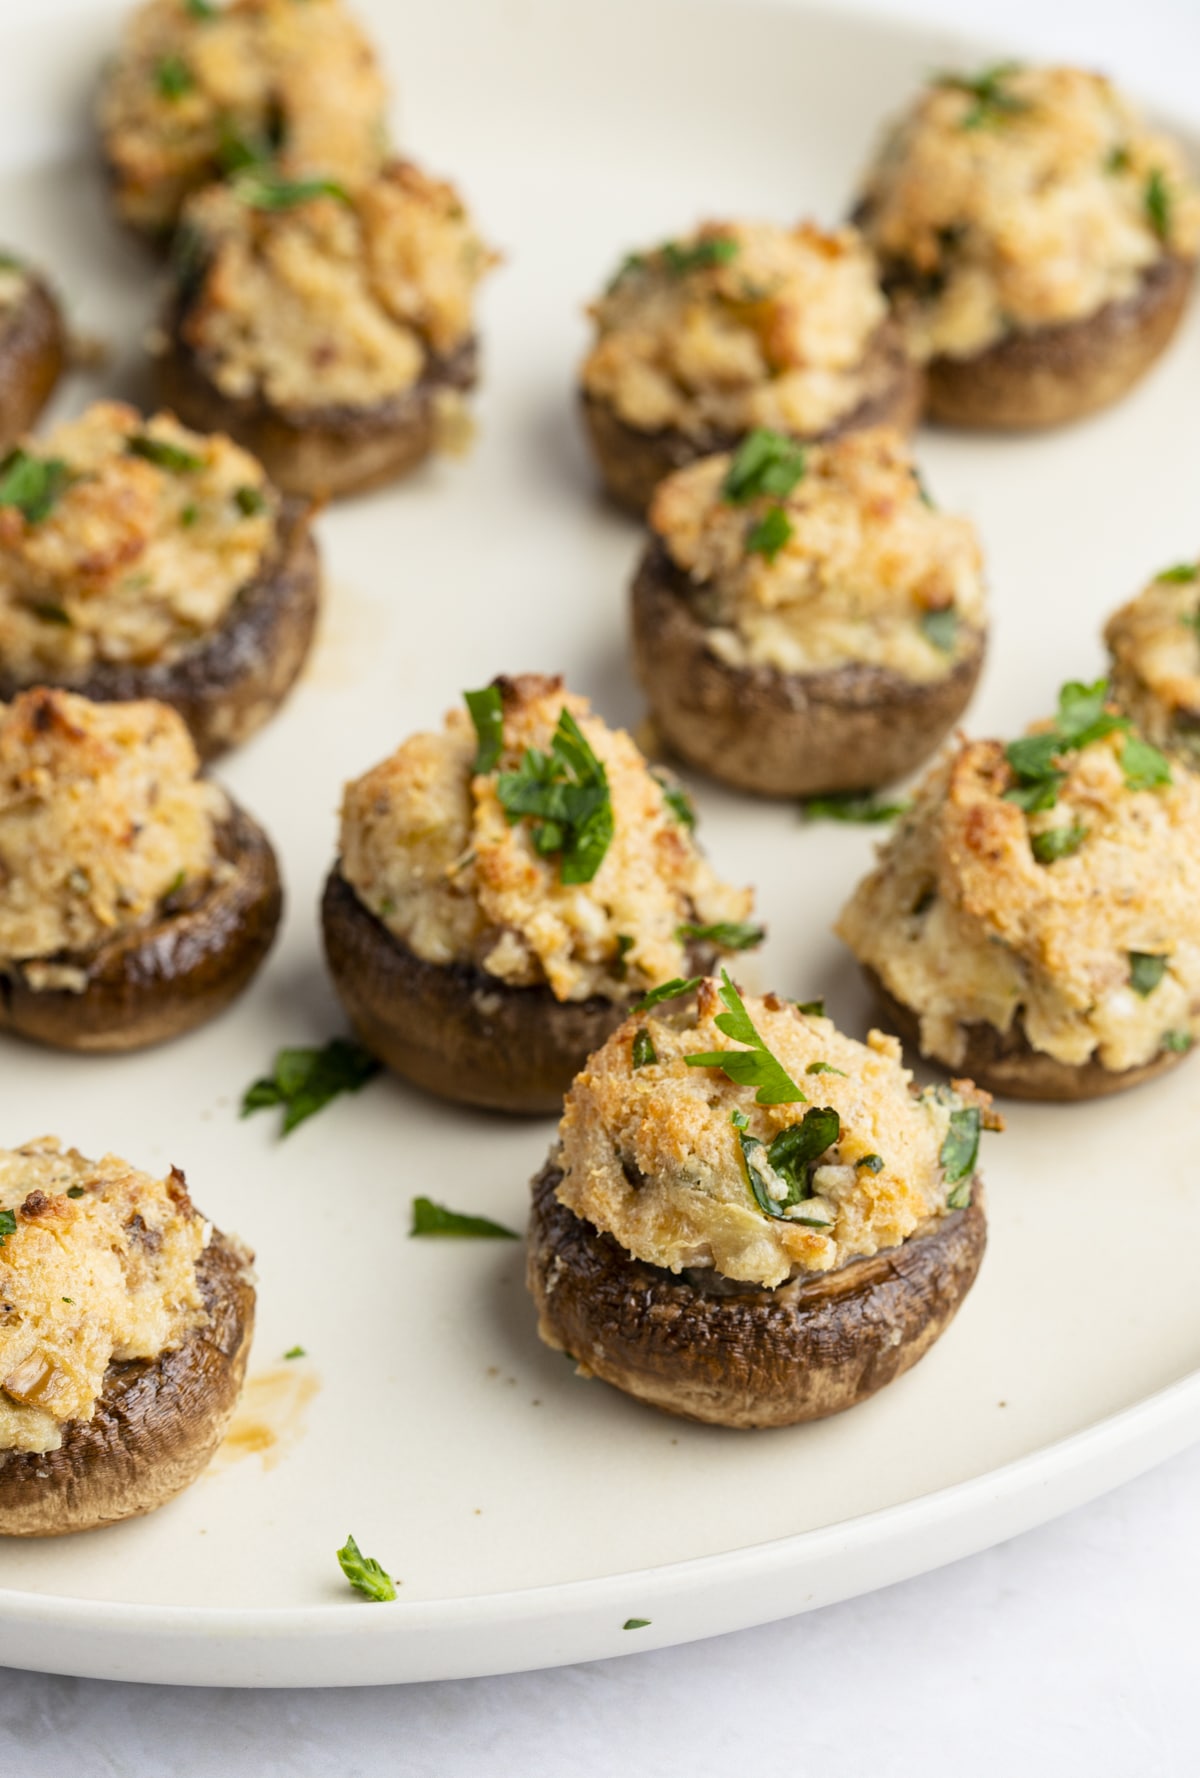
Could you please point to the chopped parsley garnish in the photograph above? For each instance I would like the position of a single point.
(173, 78)
(625, 944)
(1117, 160)
(1157, 199)
(365, 1573)
(824, 1068)
(959, 1152)
(565, 794)
(74, 1191)
(1180, 574)
(642, 1049)
(1082, 718)
(51, 614)
(259, 188)
(852, 806)
(765, 462)
(250, 501)
(236, 150)
(32, 484)
(429, 1218)
(769, 534)
(305, 1080)
(728, 935)
(940, 628)
(1146, 970)
(632, 262)
(295, 1352)
(1058, 842)
(162, 454)
(188, 516)
(699, 256)
(636, 1623)
(994, 104)
(1178, 1041)
(677, 800)
(815, 1009)
(202, 9)
(873, 1163)
(1144, 767)
(671, 990)
(8, 1225)
(780, 1176)
(752, 1067)
(487, 713)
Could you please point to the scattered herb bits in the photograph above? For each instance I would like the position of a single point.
(853, 806)
(1180, 575)
(1158, 204)
(940, 629)
(304, 1081)
(295, 1352)
(1177, 1041)
(8, 1225)
(767, 536)
(364, 1573)
(163, 454)
(429, 1218)
(259, 188)
(1146, 970)
(727, 935)
(636, 1623)
(32, 484)
(1054, 843)
(486, 708)
(698, 256)
(675, 989)
(642, 1050)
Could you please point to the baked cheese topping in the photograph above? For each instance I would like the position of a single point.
(1154, 641)
(965, 924)
(650, 1154)
(196, 90)
(102, 816)
(742, 324)
(100, 1267)
(148, 533)
(865, 572)
(427, 846)
(337, 300)
(1021, 198)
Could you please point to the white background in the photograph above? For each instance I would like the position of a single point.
(1070, 1651)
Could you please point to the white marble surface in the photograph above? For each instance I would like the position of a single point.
(1071, 1651)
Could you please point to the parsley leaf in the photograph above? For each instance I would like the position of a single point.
(1157, 199)
(636, 1623)
(295, 1352)
(728, 935)
(788, 1162)
(765, 462)
(940, 628)
(671, 990)
(565, 793)
(8, 1224)
(852, 806)
(1058, 842)
(1146, 970)
(32, 484)
(236, 150)
(768, 536)
(677, 800)
(250, 501)
(753, 1067)
(872, 1162)
(1178, 1041)
(959, 1152)
(429, 1218)
(487, 713)
(642, 1049)
(1180, 574)
(305, 1080)
(824, 1068)
(260, 188)
(814, 1009)
(1082, 718)
(173, 78)
(202, 9)
(993, 102)
(698, 256)
(365, 1573)
(1145, 768)
(164, 455)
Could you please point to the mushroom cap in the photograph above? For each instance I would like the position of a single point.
(33, 351)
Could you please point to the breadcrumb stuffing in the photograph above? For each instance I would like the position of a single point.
(102, 815)
(427, 847)
(193, 89)
(1038, 205)
(775, 333)
(650, 1155)
(1154, 641)
(867, 565)
(137, 561)
(965, 925)
(101, 1268)
(333, 301)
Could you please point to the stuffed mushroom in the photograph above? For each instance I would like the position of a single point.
(141, 560)
(1154, 644)
(740, 325)
(1037, 240)
(199, 90)
(1034, 919)
(751, 1219)
(136, 899)
(33, 350)
(508, 888)
(124, 1332)
(329, 330)
(804, 621)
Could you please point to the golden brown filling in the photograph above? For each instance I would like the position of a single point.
(741, 324)
(97, 1265)
(851, 565)
(102, 816)
(1154, 641)
(1020, 198)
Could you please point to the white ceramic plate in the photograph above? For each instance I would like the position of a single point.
(528, 1513)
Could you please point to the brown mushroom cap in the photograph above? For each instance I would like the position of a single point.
(1006, 1063)
(227, 687)
(1053, 374)
(697, 1345)
(320, 452)
(33, 350)
(783, 734)
(160, 980)
(450, 1027)
(633, 462)
(156, 1425)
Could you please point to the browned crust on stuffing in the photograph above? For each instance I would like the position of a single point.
(746, 1356)
(1006, 1063)
(161, 980)
(33, 351)
(633, 462)
(782, 734)
(229, 686)
(156, 1425)
(1054, 374)
(321, 452)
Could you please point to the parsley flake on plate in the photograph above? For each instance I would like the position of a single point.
(852, 806)
(729, 935)
(364, 1573)
(636, 1623)
(305, 1080)
(429, 1218)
